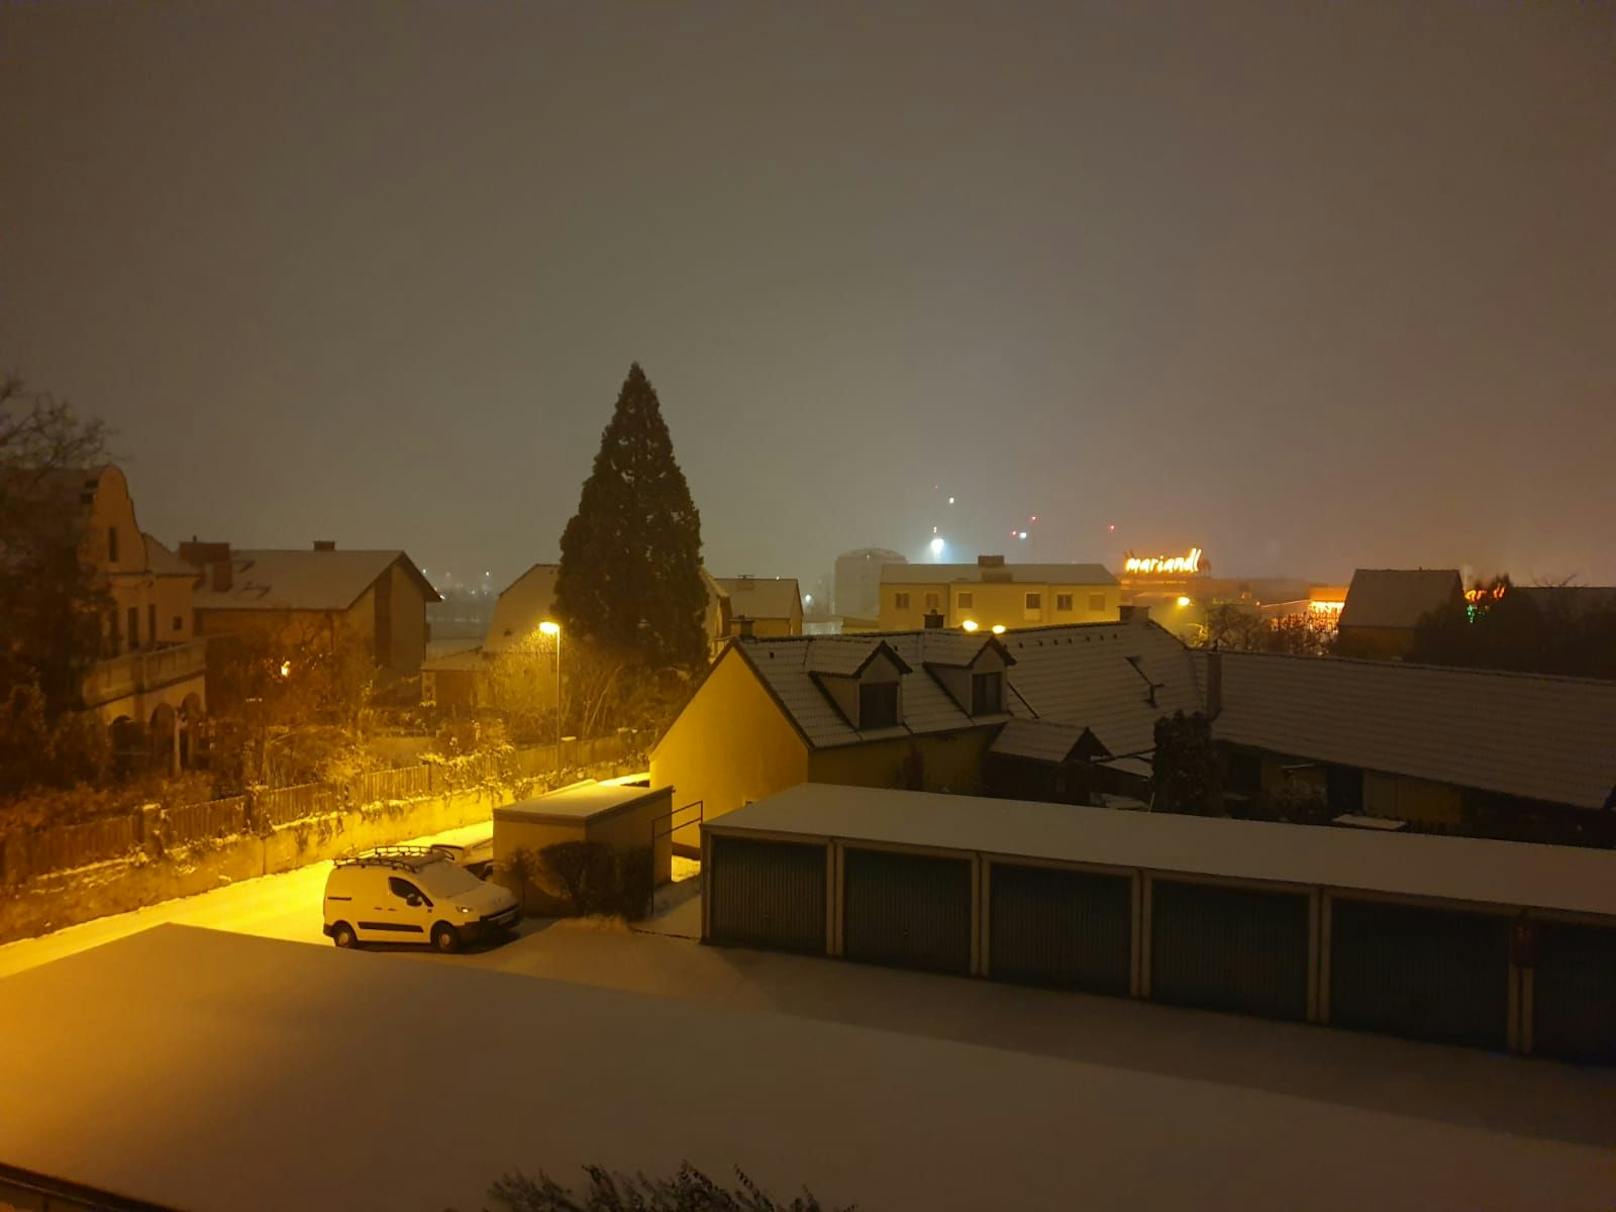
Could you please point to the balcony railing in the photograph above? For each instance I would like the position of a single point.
(138, 672)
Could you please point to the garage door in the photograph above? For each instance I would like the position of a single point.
(767, 894)
(1064, 929)
(1229, 948)
(1434, 974)
(907, 910)
(1574, 993)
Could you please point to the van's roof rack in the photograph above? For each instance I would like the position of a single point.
(405, 858)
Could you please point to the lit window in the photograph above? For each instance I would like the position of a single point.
(1063, 601)
(966, 600)
(900, 601)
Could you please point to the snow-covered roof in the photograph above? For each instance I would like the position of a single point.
(762, 597)
(303, 579)
(220, 1073)
(1039, 574)
(582, 802)
(1398, 597)
(1544, 738)
(1520, 874)
(1114, 679)
(1037, 740)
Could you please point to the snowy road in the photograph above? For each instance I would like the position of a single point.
(285, 906)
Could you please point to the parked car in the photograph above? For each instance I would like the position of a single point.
(411, 894)
(476, 857)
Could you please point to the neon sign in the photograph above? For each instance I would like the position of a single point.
(1164, 565)
(1481, 597)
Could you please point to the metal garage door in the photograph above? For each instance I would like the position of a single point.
(1574, 992)
(907, 910)
(1434, 974)
(1066, 929)
(767, 894)
(1229, 948)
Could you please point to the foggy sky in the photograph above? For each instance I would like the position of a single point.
(1307, 286)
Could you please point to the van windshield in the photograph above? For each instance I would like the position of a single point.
(445, 879)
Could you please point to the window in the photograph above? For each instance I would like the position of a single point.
(1097, 602)
(179, 623)
(987, 693)
(1035, 601)
(900, 601)
(1063, 601)
(966, 600)
(878, 705)
(931, 601)
(134, 628)
(404, 890)
(112, 544)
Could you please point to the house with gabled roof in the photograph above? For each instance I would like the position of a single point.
(1385, 605)
(919, 709)
(375, 597)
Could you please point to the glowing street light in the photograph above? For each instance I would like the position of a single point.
(937, 546)
(286, 669)
(998, 629)
(1182, 600)
(969, 624)
(553, 630)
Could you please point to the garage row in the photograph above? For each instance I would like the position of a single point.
(1487, 974)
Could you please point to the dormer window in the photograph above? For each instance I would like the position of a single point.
(987, 693)
(878, 705)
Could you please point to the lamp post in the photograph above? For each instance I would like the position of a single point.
(553, 630)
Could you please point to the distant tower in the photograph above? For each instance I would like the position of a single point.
(858, 581)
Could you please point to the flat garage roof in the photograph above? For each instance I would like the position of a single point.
(575, 805)
(1451, 868)
(203, 1070)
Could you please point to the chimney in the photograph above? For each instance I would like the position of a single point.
(221, 571)
(201, 554)
(1214, 684)
(325, 544)
(1130, 613)
(990, 561)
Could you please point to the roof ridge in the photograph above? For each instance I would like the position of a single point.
(1523, 674)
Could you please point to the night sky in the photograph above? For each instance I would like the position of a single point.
(1307, 286)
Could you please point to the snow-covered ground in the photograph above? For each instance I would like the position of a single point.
(209, 1071)
(285, 906)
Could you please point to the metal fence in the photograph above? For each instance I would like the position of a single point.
(378, 786)
(69, 846)
(64, 847)
(188, 824)
(283, 805)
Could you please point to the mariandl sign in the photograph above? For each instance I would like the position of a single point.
(1163, 566)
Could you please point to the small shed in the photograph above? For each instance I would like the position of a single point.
(622, 816)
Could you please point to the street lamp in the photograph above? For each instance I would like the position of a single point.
(553, 630)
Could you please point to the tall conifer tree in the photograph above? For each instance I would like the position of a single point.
(630, 576)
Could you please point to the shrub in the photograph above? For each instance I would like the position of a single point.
(586, 873)
(687, 1191)
(594, 878)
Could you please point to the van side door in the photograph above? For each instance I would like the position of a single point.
(409, 909)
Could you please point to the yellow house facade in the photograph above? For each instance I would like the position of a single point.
(992, 594)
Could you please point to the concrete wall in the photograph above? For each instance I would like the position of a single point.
(729, 746)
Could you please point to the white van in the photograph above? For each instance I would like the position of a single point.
(411, 894)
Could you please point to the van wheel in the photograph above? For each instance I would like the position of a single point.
(342, 934)
(445, 938)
